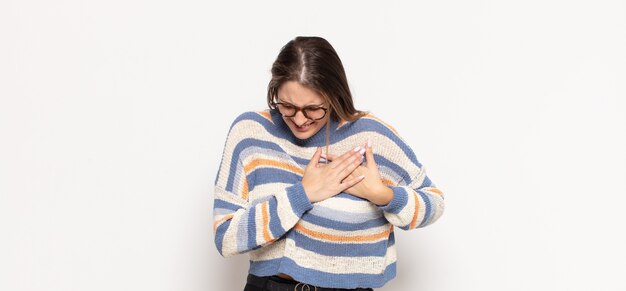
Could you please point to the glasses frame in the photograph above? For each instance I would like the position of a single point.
(301, 109)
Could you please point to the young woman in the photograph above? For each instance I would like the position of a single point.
(317, 211)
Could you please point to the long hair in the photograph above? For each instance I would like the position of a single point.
(314, 63)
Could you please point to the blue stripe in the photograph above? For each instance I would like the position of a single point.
(263, 175)
(392, 239)
(399, 200)
(265, 267)
(251, 227)
(428, 207)
(366, 124)
(242, 235)
(401, 172)
(427, 183)
(275, 227)
(349, 196)
(234, 162)
(219, 235)
(377, 249)
(219, 203)
(297, 199)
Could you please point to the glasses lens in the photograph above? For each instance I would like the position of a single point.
(286, 110)
(315, 112)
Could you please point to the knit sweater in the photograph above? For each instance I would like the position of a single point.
(261, 208)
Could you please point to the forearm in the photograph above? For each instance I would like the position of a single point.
(414, 208)
(242, 228)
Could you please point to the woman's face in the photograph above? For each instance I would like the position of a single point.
(296, 94)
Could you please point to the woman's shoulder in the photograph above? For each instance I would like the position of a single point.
(373, 122)
(252, 117)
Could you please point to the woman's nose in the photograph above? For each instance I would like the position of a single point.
(300, 119)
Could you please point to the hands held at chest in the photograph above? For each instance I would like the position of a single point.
(346, 174)
(322, 182)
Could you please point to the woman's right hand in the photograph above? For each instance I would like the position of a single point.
(321, 183)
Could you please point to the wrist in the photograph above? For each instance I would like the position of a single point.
(310, 193)
(382, 196)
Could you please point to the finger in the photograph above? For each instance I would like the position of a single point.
(345, 162)
(350, 165)
(351, 182)
(315, 159)
(347, 154)
(329, 157)
(353, 174)
(369, 156)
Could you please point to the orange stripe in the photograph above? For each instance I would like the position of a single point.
(433, 189)
(266, 223)
(265, 114)
(272, 163)
(417, 207)
(341, 122)
(333, 237)
(227, 217)
(388, 182)
(244, 191)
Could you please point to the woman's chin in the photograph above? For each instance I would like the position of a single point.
(304, 134)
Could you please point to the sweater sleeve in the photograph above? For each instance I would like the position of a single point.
(416, 202)
(239, 223)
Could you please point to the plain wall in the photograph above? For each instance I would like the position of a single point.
(113, 117)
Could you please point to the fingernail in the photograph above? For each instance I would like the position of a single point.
(323, 155)
(362, 176)
(369, 143)
(362, 151)
(356, 149)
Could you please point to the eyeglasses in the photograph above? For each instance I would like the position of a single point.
(314, 112)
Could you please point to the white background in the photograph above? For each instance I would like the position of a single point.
(113, 117)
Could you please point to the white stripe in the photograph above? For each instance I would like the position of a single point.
(344, 216)
(356, 207)
(336, 265)
(271, 251)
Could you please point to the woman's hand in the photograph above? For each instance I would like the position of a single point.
(371, 187)
(321, 182)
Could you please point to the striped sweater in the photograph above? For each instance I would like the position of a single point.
(260, 207)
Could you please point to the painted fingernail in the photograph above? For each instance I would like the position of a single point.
(356, 149)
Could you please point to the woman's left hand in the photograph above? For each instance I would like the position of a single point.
(371, 187)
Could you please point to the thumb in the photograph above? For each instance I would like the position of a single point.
(369, 155)
(315, 159)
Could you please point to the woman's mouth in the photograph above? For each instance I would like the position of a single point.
(303, 128)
